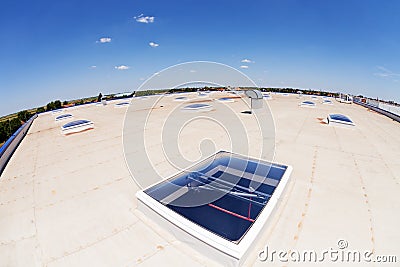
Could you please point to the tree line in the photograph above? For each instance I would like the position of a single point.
(10, 126)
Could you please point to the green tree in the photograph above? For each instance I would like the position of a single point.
(57, 104)
(14, 125)
(40, 110)
(65, 103)
(50, 106)
(99, 97)
(8, 128)
(53, 105)
(24, 115)
(3, 131)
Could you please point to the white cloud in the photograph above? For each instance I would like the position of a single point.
(144, 19)
(244, 67)
(192, 71)
(247, 61)
(93, 67)
(384, 72)
(152, 44)
(122, 67)
(104, 40)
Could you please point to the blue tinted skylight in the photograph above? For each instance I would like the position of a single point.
(224, 195)
(340, 119)
(225, 99)
(64, 116)
(197, 106)
(307, 103)
(122, 104)
(181, 98)
(76, 123)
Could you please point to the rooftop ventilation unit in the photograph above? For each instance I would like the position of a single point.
(344, 98)
(256, 98)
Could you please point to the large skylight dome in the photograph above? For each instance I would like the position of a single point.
(223, 201)
(77, 126)
(307, 104)
(63, 117)
(197, 107)
(339, 119)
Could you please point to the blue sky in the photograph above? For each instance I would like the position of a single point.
(49, 48)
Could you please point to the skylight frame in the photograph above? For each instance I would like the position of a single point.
(235, 251)
(70, 127)
(332, 119)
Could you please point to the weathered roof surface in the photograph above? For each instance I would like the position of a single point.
(70, 200)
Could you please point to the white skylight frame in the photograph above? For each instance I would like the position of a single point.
(339, 122)
(77, 128)
(122, 105)
(226, 100)
(63, 117)
(181, 98)
(203, 107)
(308, 104)
(235, 251)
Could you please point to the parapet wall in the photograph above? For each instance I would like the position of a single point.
(8, 148)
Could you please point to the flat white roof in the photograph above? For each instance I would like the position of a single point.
(70, 200)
